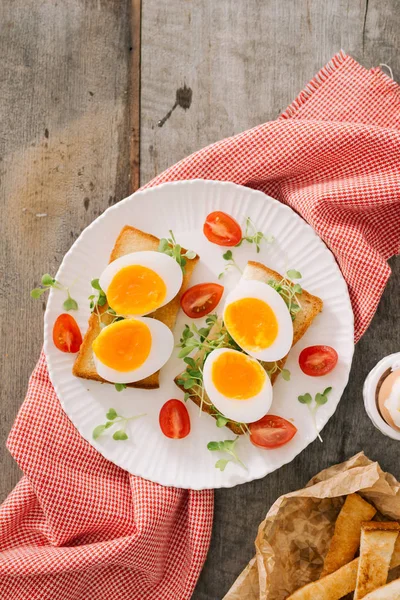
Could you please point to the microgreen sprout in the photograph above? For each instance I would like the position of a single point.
(170, 247)
(191, 380)
(319, 400)
(276, 367)
(231, 263)
(49, 282)
(99, 300)
(253, 236)
(113, 418)
(289, 291)
(227, 446)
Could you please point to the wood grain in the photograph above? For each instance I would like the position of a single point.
(134, 16)
(64, 158)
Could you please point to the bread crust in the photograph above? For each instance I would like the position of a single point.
(129, 240)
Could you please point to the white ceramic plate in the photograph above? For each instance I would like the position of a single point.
(183, 207)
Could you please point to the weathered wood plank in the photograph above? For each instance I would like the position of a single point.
(65, 156)
(245, 62)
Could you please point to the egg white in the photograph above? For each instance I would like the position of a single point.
(262, 291)
(242, 411)
(165, 266)
(162, 345)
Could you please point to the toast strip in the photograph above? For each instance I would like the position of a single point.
(390, 591)
(346, 538)
(311, 306)
(376, 549)
(343, 581)
(332, 587)
(130, 240)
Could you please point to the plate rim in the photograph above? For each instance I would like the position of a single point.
(143, 192)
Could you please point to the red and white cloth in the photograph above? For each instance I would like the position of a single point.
(77, 527)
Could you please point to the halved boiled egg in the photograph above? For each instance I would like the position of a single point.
(132, 349)
(140, 282)
(237, 385)
(259, 321)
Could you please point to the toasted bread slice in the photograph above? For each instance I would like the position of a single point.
(341, 582)
(346, 538)
(390, 591)
(332, 587)
(376, 548)
(129, 240)
(310, 307)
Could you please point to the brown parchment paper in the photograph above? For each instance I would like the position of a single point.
(294, 537)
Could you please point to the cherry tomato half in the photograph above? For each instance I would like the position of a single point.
(201, 299)
(318, 360)
(271, 432)
(222, 229)
(67, 336)
(174, 420)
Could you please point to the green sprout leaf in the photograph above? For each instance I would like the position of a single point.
(97, 431)
(113, 418)
(171, 248)
(95, 283)
(221, 463)
(221, 421)
(293, 274)
(37, 292)
(164, 246)
(252, 236)
(285, 374)
(305, 399)
(289, 291)
(319, 400)
(47, 280)
(120, 435)
(227, 446)
(70, 304)
(213, 446)
(111, 414)
(228, 255)
(120, 386)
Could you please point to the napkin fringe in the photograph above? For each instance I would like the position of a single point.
(315, 83)
(391, 83)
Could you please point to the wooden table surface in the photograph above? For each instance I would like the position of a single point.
(69, 148)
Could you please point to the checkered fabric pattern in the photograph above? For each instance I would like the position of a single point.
(77, 527)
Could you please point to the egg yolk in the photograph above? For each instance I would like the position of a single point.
(237, 376)
(252, 323)
(124, 345)
(136, 290)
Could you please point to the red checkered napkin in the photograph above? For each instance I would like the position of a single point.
(77, 527)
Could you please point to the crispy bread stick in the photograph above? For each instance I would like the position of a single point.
(376, 549)
(346, 538)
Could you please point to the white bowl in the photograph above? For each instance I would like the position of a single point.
(369, 393)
